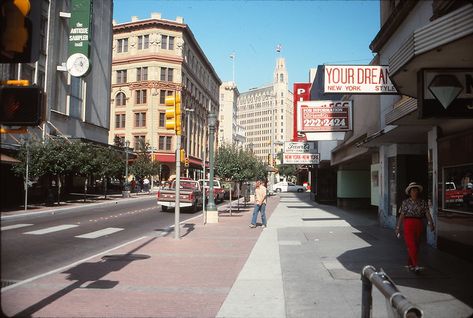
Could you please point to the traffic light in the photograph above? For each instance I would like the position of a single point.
(270, 161)
(173, 113)
(183, 155)
(21, 105)
(20, 26)
(186, 162)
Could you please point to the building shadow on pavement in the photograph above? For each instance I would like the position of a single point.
(90, 274)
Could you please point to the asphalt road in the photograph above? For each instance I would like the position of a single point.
(30, 246)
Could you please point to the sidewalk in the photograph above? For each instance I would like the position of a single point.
(307, 263)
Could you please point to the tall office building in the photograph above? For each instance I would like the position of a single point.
(266, 114)
(154, 58)
(230, 132)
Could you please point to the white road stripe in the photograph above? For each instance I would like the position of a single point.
(15, 226)
(52, 229)
(99, 233)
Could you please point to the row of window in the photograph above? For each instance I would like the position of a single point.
(140, 120)
(167, 74)
(141, 97)
(167, 43)
(164, 143)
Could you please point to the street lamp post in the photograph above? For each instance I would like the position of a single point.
(212, 213)
(127, 144)
(272, 140)
(188, 141)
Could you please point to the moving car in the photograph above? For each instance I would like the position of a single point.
(288, 187)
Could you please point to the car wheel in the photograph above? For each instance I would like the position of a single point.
(164, 208)
(300, 190)
(278, 190)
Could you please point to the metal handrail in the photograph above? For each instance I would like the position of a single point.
(395, 300)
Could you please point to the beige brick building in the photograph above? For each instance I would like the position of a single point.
(153, 58)
(266, 114)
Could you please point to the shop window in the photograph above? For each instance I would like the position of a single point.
(456, 189)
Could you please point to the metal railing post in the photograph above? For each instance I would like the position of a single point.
(397, 304)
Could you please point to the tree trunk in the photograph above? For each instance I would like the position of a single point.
(105, 186)
(58, 189)
(85, 188)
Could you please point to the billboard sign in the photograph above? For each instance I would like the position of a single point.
(357, 79)
(301, 159)
(299, 147)
(301, 93)
(324, 116)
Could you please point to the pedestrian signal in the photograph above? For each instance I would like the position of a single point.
(20, 28)
(21, 105)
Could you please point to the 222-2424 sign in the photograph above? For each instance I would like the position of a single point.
(323, 116)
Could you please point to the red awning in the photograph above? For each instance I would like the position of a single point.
(165, 157)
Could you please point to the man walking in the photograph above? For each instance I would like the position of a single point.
(260, 206)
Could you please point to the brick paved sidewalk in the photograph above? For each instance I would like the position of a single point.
(156, 276)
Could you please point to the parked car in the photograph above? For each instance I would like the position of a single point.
(219, 192)
(288, 187)
(190, 196)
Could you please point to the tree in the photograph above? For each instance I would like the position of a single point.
(286, 170)
(143, 166)
(109, 163)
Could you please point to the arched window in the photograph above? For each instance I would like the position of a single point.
(281, 78)
(120, 99)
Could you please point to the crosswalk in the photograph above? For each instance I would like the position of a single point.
(63, 227)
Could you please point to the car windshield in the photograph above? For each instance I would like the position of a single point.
(188, 185)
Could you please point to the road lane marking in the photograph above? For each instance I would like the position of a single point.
(99, 233)
(52, 229)
(15, 226)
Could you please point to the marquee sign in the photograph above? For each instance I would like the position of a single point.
(299, 147)
(357, 79)
(324, 116)
(301, 159)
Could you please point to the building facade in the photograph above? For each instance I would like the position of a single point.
(154, 58)
(230, 132)
(266, 114)
(76, 107)
(421, 134)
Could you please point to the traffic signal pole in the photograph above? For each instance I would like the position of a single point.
(177, 209)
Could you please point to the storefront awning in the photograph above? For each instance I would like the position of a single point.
(444, 43)
(393, 134)
(7, 159)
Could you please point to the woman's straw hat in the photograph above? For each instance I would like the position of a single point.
(413, 185)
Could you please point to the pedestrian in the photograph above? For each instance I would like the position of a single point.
(412, 212)
(133, 185)
(146, 184)
(260, 204)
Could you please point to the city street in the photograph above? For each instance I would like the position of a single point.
(36, 244)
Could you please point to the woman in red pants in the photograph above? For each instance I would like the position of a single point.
(413, 210)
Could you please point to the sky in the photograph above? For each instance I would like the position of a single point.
(310, 33)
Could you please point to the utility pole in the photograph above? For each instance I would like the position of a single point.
(27, 172)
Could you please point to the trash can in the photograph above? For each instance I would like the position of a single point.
(246, 192)
(126, 194)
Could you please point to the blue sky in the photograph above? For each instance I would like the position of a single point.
(310, 32)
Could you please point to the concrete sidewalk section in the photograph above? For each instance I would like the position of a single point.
(308, 263)
(156, 276)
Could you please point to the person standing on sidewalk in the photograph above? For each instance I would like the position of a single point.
(260, 204)
(412, 212)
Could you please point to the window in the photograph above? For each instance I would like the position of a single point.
(76, 103)
(281, 78)
(165, 142)
(142, 74)
(162, 119)
(140, 119)
(167, 42)
(162, 96)
(119, 120)
(141, 96)
(120, 99)
(122, 45)
(42, 34)
(143, 42)
(167, 74)
(121, 76)
(138, 142)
